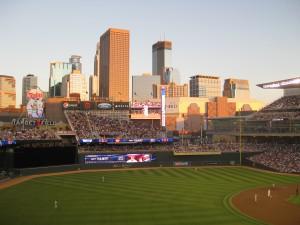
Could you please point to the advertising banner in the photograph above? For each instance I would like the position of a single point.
(71, 105)
(7, 142)
(86, 105)
(121, 105)
(104, 105)
(118, 158)
(116, 141)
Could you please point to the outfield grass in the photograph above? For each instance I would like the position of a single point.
(163, 196)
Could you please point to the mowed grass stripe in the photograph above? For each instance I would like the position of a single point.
(166, 196)
(264, 177)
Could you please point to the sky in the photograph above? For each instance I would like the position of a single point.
(257, 40)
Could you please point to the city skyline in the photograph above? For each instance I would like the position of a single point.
(255, 40)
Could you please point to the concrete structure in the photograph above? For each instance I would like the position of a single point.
(161, 58)
(220, 107)
(74, 84)
(247, 104)
(142, 86)
(29, 82)
(114, 65)
(93, 86)
(76, 64)
(172, 90)
(290, 86)
(7, 91)
(205, 86)
(185, 113)
(236, 88)
(57, 71)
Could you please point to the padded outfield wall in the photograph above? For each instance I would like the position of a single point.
(28, 161)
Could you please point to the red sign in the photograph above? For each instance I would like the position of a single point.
(34, 94)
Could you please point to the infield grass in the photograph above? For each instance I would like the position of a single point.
(158, 196)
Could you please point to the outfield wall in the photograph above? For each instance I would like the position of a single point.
(162, 159)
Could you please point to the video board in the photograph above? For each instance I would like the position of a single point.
(118, 158)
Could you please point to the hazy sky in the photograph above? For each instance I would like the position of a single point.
(258, 40)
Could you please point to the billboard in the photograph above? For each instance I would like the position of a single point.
(35, 105)
(104, 106)
(86, 105)
(116, 141)
(121, 105)
(71, 105)
(118, 158)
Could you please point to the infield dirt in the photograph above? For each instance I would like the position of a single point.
(275, 210)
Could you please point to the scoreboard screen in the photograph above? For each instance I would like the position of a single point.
(118, 158)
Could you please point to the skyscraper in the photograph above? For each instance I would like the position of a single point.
(97, 60)
(161, 58)
(29, 82)
(76, 64)
(94, 79)
(142, 86)
(74, 83)
(57, 71)
(205, 86)
(114, 65)
(236, 88)
(93, 86)
(7, 91)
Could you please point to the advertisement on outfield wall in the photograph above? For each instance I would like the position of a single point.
(118, 158)
(163, 107)
(117, 141)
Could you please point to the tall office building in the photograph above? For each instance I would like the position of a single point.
(97, 60)
(94, 79)
(142, 86)
(114, 65)
(76, 64)
(172, 90)
(29, 82)
(161, 58)
(205, 86)
(93, 86)
(57, 71)
(7, 91)
(74, 83)
(236, 88)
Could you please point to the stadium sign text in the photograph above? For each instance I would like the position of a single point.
(31, 122)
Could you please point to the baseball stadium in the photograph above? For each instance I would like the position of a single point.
(102, 162)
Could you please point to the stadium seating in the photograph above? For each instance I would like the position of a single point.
(92, 125)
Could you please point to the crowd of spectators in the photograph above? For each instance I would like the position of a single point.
(223, 147)
(91, 125)
(283, 158)
(150, 104)
(28, 134)
(275, 115)
(179, 147)
(286, 107)
(286, 102)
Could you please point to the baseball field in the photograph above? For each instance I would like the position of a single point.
(164, 196)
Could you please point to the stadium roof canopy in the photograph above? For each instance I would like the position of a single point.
(282, 84)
